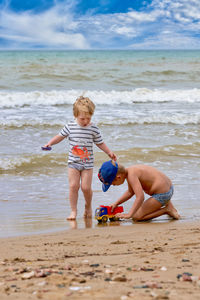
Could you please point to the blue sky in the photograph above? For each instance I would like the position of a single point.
(100, 24)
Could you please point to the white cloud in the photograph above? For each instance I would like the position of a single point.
(148, 27)
(143, 17)
(162, 24)
(123, 30)
(53, 28)
(181, 8)
(167, 41)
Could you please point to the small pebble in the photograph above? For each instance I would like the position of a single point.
(119, 278)
(109, 271)
(28, 275)
(124, 298)
(85, 262)
(94, 265)
(185, 260)
(42, 283)
(107, 279)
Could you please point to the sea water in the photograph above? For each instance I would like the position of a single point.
(148, 111)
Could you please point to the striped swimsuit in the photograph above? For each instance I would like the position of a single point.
(81, 141)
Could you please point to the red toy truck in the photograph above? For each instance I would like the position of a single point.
(103, 213)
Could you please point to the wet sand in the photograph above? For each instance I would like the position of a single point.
(140, 261)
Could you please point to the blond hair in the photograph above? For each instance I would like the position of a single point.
(83, 104)
(121, 169)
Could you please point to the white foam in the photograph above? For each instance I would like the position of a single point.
(34, 122)
(12, 163)
(46, 98)
(179, 118)
(176, 118)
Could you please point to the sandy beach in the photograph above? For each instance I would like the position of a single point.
(137, 261)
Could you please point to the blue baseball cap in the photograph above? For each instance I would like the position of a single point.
(107, 174)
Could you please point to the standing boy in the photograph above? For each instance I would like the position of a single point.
(140, 179)
(82, 133)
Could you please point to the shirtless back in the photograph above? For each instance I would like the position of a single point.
(152, 180)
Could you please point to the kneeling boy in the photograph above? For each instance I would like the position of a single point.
(140, 179)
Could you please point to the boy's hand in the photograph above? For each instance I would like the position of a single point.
(46, 147)
(112, 155)
(122, 216)
(113, 206)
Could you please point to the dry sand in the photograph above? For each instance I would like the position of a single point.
(136, 261)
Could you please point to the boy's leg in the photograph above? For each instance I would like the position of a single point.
(171, 211)
(86, 187)
(151, 209)
(74, 185)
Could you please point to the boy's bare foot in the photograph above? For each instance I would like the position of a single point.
(72, 216)
(88, 222)
(88, 214)
(172, 212)
(73, 224)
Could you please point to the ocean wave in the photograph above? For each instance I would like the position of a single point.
(31, 163)
(159, 118)
(137, 119)
(165, 73)
(33, 123)
(46, 163)
(67, 97)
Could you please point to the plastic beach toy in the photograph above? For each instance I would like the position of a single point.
(46, 148)
(103, 213)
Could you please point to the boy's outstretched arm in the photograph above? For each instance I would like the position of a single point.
(126, 196)
(135, 185)
(55, 140)
(105, 148)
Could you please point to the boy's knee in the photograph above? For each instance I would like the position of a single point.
(86, 189)
(74, 186)
(136, 217)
